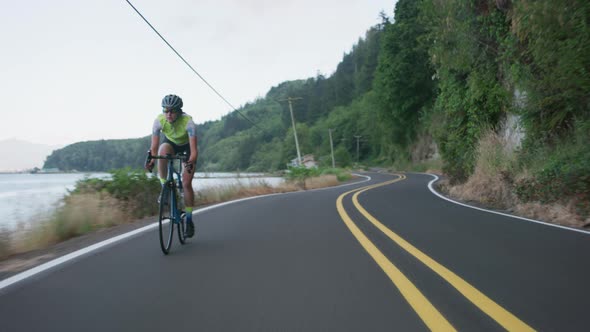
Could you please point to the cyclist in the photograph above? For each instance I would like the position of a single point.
(179, 136)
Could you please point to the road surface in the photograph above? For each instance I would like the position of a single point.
(379, 255)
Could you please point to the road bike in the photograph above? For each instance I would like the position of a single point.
(171, 201)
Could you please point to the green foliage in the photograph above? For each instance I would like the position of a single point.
(301, 173)
(267, 157)
(469, 106)
(467, 39)
(342, 157)
(357, 119)
(99, 156)
(341, 174)
(132, 187)
(553, 39)
(560, 172)
(403, 82)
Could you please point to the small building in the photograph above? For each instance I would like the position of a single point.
(307, 160)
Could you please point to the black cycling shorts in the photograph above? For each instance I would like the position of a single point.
(185, 148)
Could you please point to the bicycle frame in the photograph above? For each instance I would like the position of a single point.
(170, 210)
(174, 185)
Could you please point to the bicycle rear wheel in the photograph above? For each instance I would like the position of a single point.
(166, 223)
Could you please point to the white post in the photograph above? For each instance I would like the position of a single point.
(332, 148)
(295, 131)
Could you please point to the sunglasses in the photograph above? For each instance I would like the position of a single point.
(173, 110)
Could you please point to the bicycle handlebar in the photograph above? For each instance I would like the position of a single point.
(181, 157)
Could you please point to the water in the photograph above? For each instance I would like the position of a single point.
(24, 198)
(211, 180)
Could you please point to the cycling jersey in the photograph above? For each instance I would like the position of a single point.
(178, 131)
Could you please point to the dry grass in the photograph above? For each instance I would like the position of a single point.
(229, 192)
(487, 190)
(492, 185)
(82, 213)
(235, 191)
(490, 182)
(322, 181)
(554, 213)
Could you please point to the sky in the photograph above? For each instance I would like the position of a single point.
(75, 71)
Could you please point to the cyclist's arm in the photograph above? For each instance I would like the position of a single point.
(194, 150)
(191, 129)
(156, 128)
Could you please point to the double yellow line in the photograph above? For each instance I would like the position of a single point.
(433, 319)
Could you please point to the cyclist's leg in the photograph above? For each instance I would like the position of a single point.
(187, 186)
(187, 179)
(165, 148)
(189, 198)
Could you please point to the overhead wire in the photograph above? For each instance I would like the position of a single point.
(191, 67)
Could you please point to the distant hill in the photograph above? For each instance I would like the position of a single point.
(100, 156)
(27, 155)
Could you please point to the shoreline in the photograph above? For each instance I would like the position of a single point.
(19, 262)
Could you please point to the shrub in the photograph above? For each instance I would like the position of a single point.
(491, 181)
(561, 173)
(341, 175)
(133, 188)
(301, 174)
(96, 203)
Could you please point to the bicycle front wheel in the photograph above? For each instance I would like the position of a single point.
(182, 228)
(166, 223)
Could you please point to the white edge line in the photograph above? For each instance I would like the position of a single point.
(46, 266)
(430, 186)
(38, 269)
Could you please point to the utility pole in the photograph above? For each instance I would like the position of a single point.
(357, 148)
(332, 148)
(290, 100)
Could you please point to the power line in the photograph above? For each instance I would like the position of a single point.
(191, 67)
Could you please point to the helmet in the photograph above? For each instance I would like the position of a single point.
(172, 101)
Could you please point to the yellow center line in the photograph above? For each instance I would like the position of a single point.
(433, 319)
(484, 303)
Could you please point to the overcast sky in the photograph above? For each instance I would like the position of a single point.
(85, 70)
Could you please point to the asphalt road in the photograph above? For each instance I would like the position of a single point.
(391, 257)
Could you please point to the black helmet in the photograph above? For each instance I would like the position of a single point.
(172, 101)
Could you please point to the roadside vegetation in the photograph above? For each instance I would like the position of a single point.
(311, 178)
(544, 184)
(129, 195)
(477, 63)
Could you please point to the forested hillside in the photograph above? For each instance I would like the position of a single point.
(435, 79)
(233, 143)
(103, 155)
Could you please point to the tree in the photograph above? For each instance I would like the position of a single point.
(342, 157)
(404, 74)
